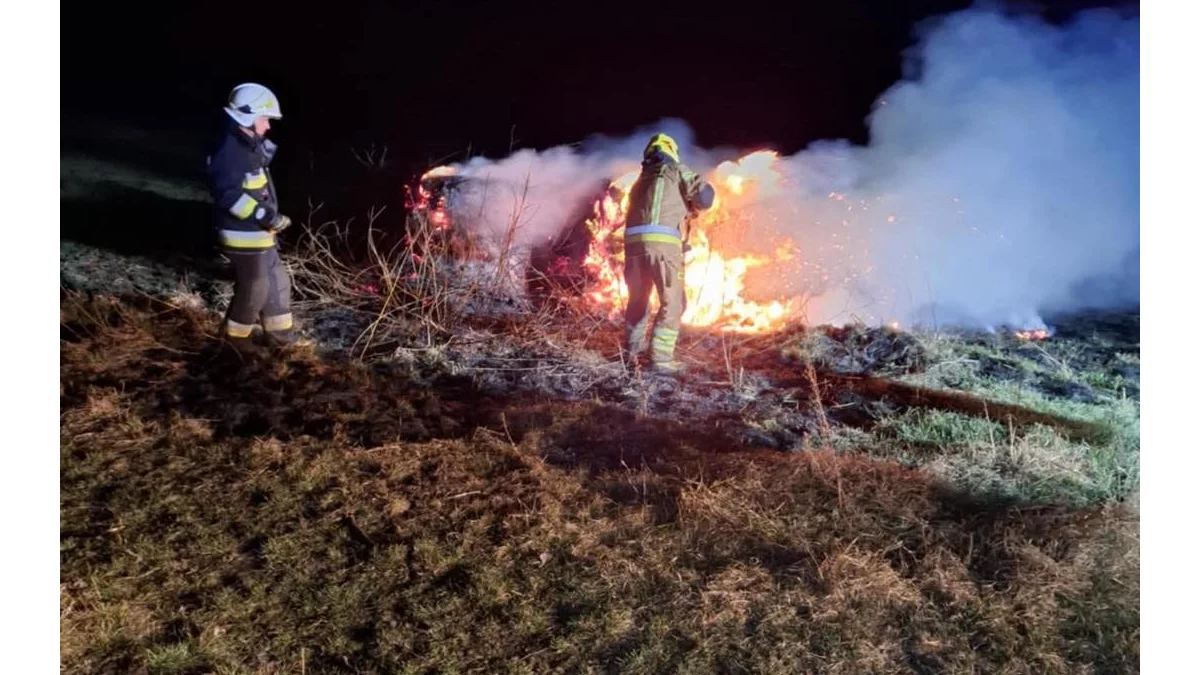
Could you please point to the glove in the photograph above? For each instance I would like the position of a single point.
(280, 223)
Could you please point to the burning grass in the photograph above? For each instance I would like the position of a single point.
(306, 515)
(714, 281)
(414, 308)
(481, 486)
(757, 378)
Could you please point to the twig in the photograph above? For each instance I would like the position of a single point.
(504, 422)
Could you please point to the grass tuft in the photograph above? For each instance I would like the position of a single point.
(306, 515)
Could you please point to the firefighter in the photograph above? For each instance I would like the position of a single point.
(664, 195)
(247, 218)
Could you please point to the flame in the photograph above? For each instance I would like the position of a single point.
(438, 172)
(435, 209)
(714, 280)
(715, 270)
(1036, 334)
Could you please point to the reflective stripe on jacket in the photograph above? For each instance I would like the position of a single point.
(653, 233)
(243, 194)
(659, 201)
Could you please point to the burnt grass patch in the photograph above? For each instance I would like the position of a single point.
(308, 514)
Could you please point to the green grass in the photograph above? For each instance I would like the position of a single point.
(177, 659)
(317, 517)
(1036, 465)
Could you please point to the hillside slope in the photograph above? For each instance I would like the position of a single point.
(507, 498)
(311, 516)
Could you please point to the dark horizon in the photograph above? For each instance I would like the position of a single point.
(430, 80)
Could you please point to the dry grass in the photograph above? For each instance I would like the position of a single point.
(297, 515)
(423, 286)
(397, 286)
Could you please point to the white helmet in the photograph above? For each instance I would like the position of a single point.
(249, 101)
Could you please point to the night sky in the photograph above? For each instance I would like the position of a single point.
(429, 78)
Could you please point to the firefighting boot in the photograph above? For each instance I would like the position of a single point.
(662, 351)
(662, 345)
(241, 348)
(292, 343)
(238, 338)
(634, 345)
(671, 367)
(280, 338)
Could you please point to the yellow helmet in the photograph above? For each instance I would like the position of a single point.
(664, 144)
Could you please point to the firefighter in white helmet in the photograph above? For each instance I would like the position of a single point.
(247, 218)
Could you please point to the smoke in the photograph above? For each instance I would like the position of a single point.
(1010, 156)
(1001, 182)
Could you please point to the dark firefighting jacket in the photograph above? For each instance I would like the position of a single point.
(661, 198)
(243, 193)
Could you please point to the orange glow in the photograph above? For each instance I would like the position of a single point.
(714, 279)
(436, 211)
(438, 172)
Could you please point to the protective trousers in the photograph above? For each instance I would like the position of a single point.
(262, 290)
(650, 267)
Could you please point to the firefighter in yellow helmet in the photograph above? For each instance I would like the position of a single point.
(664, 194)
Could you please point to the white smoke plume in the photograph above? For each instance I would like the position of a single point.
(537, 195)
(1001, 181)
